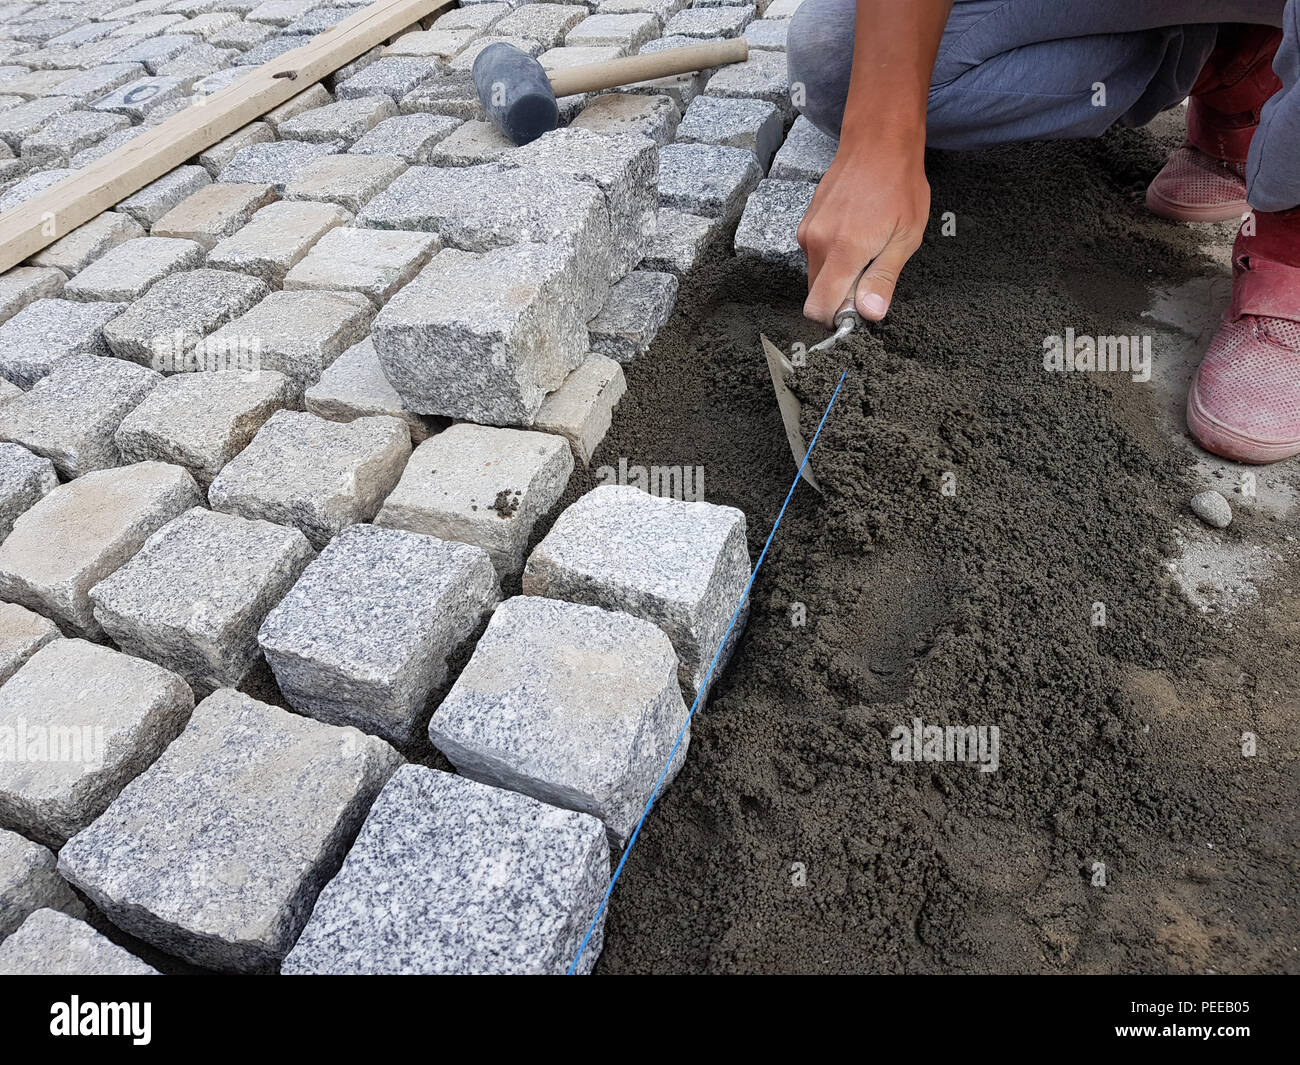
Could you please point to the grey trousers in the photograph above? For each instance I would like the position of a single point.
(1013, 70)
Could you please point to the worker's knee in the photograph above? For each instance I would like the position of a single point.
(819, 57)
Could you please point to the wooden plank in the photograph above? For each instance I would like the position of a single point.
(56, 211)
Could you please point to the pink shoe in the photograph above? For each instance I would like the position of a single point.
(1244, 403)
(1205, 180)
(1194, 187)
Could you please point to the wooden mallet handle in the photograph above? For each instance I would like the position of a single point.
(609, 74)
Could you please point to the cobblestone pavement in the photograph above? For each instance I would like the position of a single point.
(278, 435)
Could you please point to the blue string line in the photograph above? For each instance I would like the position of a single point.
(618, 871)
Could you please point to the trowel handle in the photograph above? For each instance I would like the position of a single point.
(593, 77)
(848, 312)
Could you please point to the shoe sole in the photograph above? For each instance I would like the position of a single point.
(1228, 443)
(1181, 212)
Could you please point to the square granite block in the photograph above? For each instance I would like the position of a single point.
(768, 34)
(297, 334)
(373, 262)
(316, 96)
(138, 98)
(70, 415)
(634, 312)
(127, 272)
(29, 882)
(738, 123)
(463, 64)
(214, 212)
(683, 566)
(214, 159)
(25, 479)
(392, 76)
(216, 854)
(164, 326)
(410, 138)
(471, 143)
(629, 31)
(479, 208)
(61, 138)
(574, 705)
(203, 420)
(806, 154)
(707, 179)
(80, 532)
(23, 632)
(350, 181)
(763, 76)
(354, 386)
(51, 943)
(432, 44)
(365, 636)
(158, 197)
(83, 721)
(24, 285)
(769, 228)
(88, 242)
(19, 123)
(32, 185)
(343, 120)
(152, 52)
(716, 21)
(452, 876)
(450, 94)
(484, 337)
(614, 113)
(275, 163)
(47, 331)
(316, 475)
(483, 486)
(276, 238)
(625, 168)
(582, 408)
(680, 241)
(481, 17)
(192, 598)
(546, 23)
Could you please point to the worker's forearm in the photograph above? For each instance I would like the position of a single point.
(895, 45)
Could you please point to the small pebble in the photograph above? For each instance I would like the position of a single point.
(1212, 509)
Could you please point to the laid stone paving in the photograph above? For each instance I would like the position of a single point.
(413, 897)
(365, 635)
(482, 486)
(279, 430)
(312, 474)
(103, 717)
(51, 943)
(29, 882)
(587, 719)
(81, 531)
(193, 597)
(193, 859)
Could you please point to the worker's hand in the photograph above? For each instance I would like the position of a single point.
(870, 210)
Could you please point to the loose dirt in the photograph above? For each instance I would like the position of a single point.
(979, 515)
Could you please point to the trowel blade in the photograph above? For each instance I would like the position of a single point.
(778, 366)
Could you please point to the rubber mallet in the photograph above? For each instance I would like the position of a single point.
(519, 96)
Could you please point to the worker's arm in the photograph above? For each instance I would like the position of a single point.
(872, 205)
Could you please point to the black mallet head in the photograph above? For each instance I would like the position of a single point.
(515, 92)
